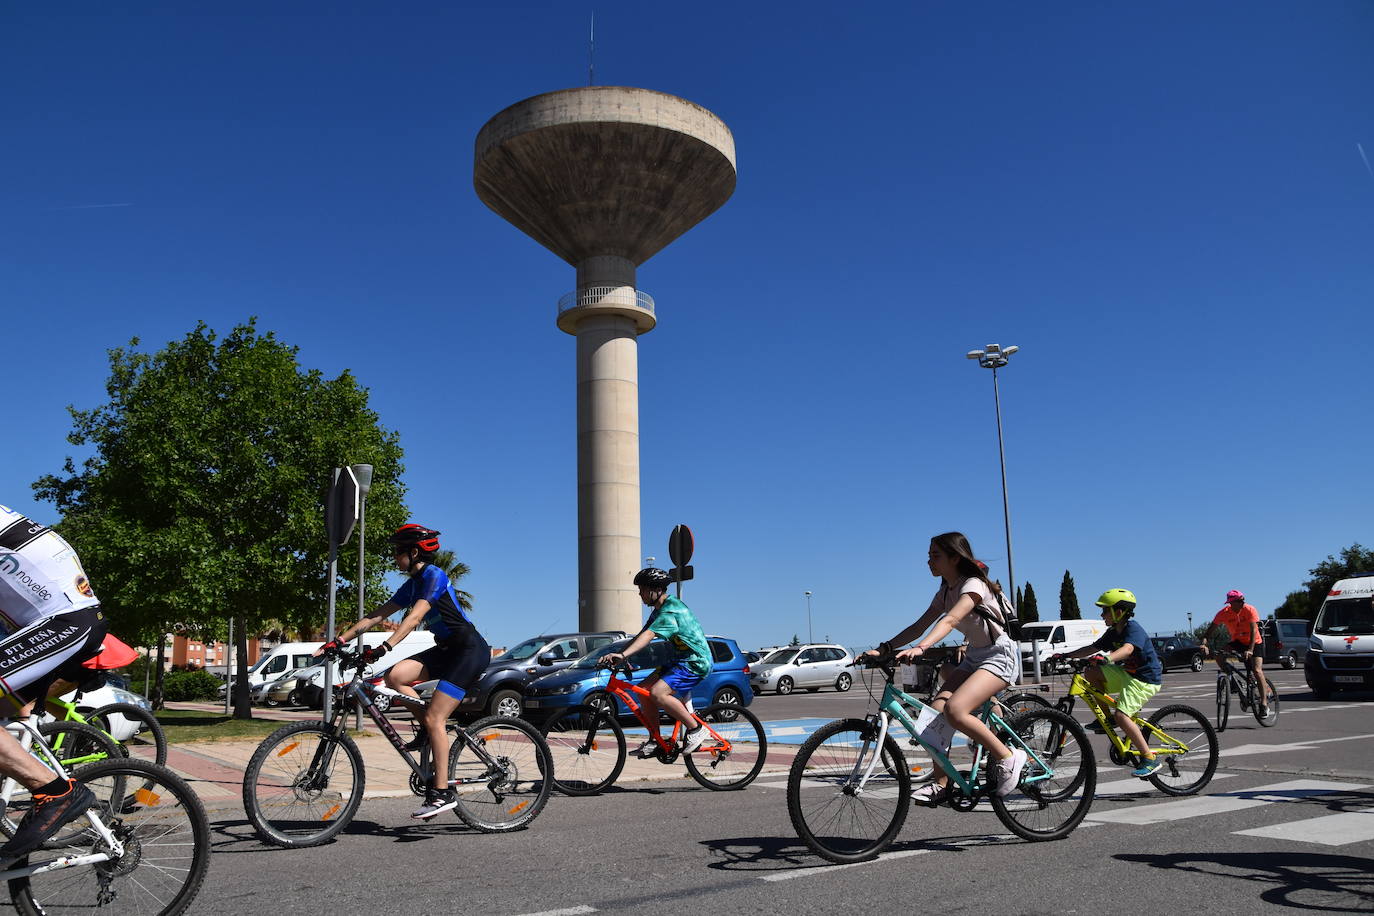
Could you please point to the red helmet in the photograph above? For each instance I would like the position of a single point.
(412, 535)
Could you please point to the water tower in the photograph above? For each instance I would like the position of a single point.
(605, 177)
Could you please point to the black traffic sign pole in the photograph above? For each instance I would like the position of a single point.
(680, 547)
(341, 509)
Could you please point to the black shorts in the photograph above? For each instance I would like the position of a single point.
(458, 666)
(32, 658)
(1242, 647)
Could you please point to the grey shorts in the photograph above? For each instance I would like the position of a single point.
(1000, 659)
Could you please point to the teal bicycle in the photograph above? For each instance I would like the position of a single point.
(849, 788)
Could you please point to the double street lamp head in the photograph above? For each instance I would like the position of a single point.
(993, 356)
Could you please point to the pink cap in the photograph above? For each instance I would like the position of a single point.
(1234, 595)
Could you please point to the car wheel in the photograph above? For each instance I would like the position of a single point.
(1288, 662)
(727, 695)
(508, 703)
(294, 698)
(1321, 691)
(784, 686)
(1196, 663)
(272, 702)
(844, 682)
(381, 701)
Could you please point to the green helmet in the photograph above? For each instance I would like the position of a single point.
(1120, 599)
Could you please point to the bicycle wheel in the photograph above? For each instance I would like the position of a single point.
(506, 785)
(1059, 780)
(737, 758)
(1271, 698)
(1017, 703)
(588, 749)
(303, 785)
(76, 746)
(838, 819)
(1223, 702)
(165, 839)
(1186, 772)
(148, 743)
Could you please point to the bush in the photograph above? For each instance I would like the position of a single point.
(190, 685)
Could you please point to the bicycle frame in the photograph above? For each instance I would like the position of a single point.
(1241, 683)
(625, 691)
(1100, 703)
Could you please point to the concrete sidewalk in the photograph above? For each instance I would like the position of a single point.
(215, 768)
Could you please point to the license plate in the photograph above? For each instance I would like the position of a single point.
(1347, 679)
(531, 704)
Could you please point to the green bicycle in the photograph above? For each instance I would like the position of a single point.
(849, 788)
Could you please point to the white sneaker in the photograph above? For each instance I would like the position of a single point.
(436, 803)
(646, 750)
(1009, 772)
(694, 739)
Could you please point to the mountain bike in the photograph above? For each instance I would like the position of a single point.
(1179, 735)
(849, 788)
(1246, 688)
(143, 848)
(589, 749)
(305, 781)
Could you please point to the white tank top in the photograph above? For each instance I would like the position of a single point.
(40, 575)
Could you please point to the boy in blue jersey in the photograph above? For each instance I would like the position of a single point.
(458, 658)
(1129, 670)
(690, 660)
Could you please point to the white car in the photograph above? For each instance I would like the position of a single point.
(121, 728)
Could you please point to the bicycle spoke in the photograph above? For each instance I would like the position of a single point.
(502, 773)
(735, 752)
(1059, 780)
(588, 750)
(1186, 743)
(302, 785)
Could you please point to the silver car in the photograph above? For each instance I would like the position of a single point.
(809, 666)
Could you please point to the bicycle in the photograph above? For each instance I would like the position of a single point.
(849, 785)
(1229, 681)
(1178, 734)
(589, 743)
(143, 848)
(305, 781)
(103, 719)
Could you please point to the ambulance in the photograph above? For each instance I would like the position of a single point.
(1340, 652)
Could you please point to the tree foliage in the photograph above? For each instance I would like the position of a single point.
(1029, 609)
(1353, 559)
(202, 499)
(456, 569)
(1068, 599)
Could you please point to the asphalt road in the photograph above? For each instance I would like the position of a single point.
(1287, 822)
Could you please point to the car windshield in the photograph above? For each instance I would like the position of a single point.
(523, 651)
(1041, 633)
(779, 657)
(593, 658)
(1346, 617)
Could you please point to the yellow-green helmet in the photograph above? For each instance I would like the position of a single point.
(1118, 599)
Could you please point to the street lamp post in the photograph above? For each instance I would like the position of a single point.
(808, 617)
(994, 357)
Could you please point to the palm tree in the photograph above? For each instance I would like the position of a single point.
(456, 569)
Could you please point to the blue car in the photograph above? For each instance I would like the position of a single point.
(585, 683)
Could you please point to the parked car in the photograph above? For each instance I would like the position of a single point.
(1178, 652)
(114, 690)
(810, 666)
(500, 690)
(585, 682)
(757, 656)
(1285, 641)
(309, 689)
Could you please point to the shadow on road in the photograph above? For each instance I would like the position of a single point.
(1306, 880)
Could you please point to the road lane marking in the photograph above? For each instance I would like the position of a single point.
(1328, 830)
(830, 869)
(569, 911)
(1242, 750)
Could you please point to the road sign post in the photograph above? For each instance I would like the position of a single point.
(680, 547)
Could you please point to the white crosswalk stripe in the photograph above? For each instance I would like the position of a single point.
(1291, 791)
(1330, 830)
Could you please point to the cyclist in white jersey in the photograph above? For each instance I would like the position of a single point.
(55, 624)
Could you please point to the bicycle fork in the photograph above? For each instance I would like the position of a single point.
(867, 763)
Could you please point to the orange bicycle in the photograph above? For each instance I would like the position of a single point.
(589, 752)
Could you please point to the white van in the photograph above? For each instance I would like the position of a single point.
(310, 681)
(1055, 636)
(1340, 651)
(278, 662)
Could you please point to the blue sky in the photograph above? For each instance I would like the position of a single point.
(1164, 205)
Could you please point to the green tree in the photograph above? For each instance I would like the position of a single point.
(202, 500)
(1028, 609)
(448, 561)
(795, 641)
(1068, 599)
(1353, 559)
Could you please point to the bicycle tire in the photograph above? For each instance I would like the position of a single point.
(1272, 701)
(1223, 702)
(1190, 727)
(1050, 800)
(162, 825)
(721, 771)
(1017, 703)
(510, 797)
(588, 749)
(303, 785)
(155, 735)
(76, 746)
(836, 822)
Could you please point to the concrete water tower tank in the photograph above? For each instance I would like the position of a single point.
(605, 177)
